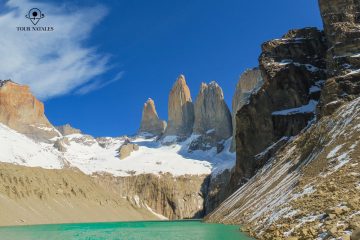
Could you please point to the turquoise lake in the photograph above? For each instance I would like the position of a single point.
(149, 230)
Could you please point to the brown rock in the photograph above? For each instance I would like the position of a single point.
(355, 234)
(21, 111)
(211, 112)
(180, 110)
(150, 122)
(126, 149)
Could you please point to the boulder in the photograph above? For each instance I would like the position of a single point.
(61, 144)
(126, 149)
(249, 82)
(150, 122)
(21, 111)
(180, 110)
(211, 112)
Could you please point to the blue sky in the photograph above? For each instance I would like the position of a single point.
(124, 52)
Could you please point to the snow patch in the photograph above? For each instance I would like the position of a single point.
(308, 108)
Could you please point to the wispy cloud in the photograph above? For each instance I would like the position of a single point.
(98, 84)
(52, 63)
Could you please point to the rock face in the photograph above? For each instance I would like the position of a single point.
(61, 144)
(180, 110)
(249, 82)
(342, 32)
(309, 189)
(292, 68)
(306, 187)
(21, 111)
(218, 190)
(26, 190)
(126, 149)
(212, 113)
(150, 122)
(180, 197)
(67, 129)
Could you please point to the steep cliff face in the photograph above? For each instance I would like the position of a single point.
(180, 110)
(173, 197)
(249, 82)
(309, 189)
(21, 111)
(292, 69)
(211, 112)
(150, 121)
(342, 31)
(309, 185)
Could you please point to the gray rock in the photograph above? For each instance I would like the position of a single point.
(250, 81)
(212, 113)
(67, 129)
(61, 144)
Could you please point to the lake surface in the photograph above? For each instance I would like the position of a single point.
(149, 230)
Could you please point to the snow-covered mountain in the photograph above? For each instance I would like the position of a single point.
(92, 155)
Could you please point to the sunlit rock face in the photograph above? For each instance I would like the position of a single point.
(21, 111)
(150, 121)
(212, 115)
(180, 110)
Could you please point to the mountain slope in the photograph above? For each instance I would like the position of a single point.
(310, 188)
(37, 196)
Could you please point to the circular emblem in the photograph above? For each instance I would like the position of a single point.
(35, 15)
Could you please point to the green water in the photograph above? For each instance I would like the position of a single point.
(162, 230)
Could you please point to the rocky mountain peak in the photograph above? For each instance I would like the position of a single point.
(67, 129)
(21, 111)
(211, 112)
(180, 109)
(150, 122)
(3, 82)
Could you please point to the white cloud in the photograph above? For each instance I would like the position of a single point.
(52, 63)
(98, 84)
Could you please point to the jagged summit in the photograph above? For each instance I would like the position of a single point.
(3, 82)
(150, 121)
(21, 111)
(211, 112)
(180, 109)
